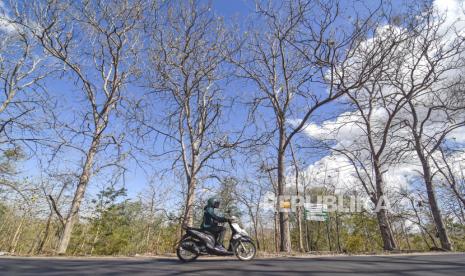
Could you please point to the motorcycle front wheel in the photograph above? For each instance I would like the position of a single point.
(245, 250)
(183, 253)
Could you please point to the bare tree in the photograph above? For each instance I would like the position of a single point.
(417, 59)
(372, 154)
(297, 173)
(425, 144)
(22, 94)
(251, 194)
(18, 71)
(450, 167)
(95, 41)
(292, 54)
(187, 75)
(432, 83)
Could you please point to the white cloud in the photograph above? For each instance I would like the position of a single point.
(5, 26)
(333, 172)
(452, 11)
(458, 135)
(347, 130)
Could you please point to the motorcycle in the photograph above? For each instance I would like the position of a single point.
(198, 242)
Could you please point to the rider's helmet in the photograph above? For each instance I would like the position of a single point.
(214, 202)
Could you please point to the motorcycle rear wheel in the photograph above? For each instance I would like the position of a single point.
(185, 255)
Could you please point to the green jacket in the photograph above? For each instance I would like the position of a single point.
(210, 218)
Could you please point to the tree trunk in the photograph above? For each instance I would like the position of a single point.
(428, 178)
(299, 225)
(307, 237)
(285, 245)
(40, 248)
(388, 242)
(298, 209)
(318, 233)
(14, 242)
(276, 231)
(436, 212)
(188, 218)
(80, 249)
(157, 251)
(191, 171)
(383, 220)
(365, 232)
(328, 233)
(338, 239)
(255, 227)
(406, 236)
(147, 238)
(94, 242)
(78, 196)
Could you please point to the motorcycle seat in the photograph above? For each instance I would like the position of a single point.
(199, 229)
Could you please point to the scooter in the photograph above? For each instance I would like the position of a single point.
(198, 242)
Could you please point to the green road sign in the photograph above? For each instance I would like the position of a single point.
(316, 212)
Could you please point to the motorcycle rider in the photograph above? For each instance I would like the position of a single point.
(211, 220)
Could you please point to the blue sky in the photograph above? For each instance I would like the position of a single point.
(70, 99)
(233, 7)
(136, 180)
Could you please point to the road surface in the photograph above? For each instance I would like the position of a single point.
(442, 264)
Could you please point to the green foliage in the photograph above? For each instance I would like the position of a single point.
(108, 196)
(120, 226)
(457, 234)
(366, 226)
(3, 211)
(8, 160)
(112, 219)
(418, 243)
(113, 227)
(355, 243)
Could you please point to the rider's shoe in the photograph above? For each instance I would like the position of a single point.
(220, 248)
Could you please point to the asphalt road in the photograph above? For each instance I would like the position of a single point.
(444, 264)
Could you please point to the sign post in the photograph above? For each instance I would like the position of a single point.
(316, 212)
